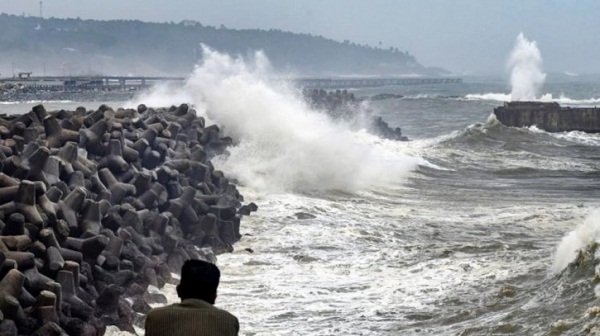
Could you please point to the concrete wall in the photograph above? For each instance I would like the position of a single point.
(549, 116)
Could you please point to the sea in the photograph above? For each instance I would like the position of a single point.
(469, 228)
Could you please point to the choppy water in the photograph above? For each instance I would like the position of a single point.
(465, 244)
(453, 233)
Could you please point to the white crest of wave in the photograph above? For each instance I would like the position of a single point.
(503, 97)
(546, 98)
(526, 75)
(588, 139)
(283, 144)
(586, 233)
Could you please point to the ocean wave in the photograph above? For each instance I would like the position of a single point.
(568, 101)
(578, 137)
(575, 241)
(427, 164)
(503, 97)
(421, 96)
(588, 139)
(283, 143)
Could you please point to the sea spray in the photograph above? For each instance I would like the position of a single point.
(576, 240)
(526, 75)
(284, 144)
(161, 95)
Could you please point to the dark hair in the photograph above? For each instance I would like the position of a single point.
(199, 280)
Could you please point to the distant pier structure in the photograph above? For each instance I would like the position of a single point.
(363, 82)
(136, 82)
(86, 82)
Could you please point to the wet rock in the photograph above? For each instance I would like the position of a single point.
(96, 207)
(342, 105)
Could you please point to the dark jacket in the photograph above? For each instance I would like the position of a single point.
(191, 317)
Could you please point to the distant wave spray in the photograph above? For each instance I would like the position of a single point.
(526, 75)
(527, 78)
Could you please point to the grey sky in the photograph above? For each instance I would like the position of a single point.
(464, 36)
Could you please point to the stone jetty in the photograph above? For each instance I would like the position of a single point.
(550, 117)
(343, 105)
(96, 206)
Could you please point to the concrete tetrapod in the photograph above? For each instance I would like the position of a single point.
(115, 207)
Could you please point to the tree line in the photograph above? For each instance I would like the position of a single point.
(56, 46)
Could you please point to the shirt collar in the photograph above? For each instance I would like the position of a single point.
(196, 303)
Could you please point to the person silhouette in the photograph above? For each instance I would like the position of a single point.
(196, 315)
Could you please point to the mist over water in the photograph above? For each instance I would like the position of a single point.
(526, 75)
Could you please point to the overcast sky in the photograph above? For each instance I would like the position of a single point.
(464, 36)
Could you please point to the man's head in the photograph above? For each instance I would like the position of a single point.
(199, 280)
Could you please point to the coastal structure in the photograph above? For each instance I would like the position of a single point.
(97, 206)
(132, 82)
(86, 82)
(342, 105)
(550, 117)
(359, 82)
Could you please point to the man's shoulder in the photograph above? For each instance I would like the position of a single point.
(161, 312)
(162, 309)
(224, 312)
(218, 311)
(191, 319)
(191, 305)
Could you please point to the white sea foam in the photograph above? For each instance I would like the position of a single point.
(586, 233)
(112, 330)
(284, 145)
(584, 138)
(588, 139)
(421, 96)
(503, 97)
(344, 272)
(547, 97)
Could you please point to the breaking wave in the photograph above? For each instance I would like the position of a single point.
(586, 233)
(283, 143)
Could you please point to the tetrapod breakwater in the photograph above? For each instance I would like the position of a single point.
(98, 205)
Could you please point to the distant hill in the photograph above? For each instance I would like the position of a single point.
(73, 46)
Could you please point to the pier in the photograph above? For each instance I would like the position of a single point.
(136, 82)
(550, 117)
(86, 82)
(364, 82)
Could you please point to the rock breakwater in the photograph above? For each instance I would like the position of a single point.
(97, 206)
(550, 117)
(343, 105)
